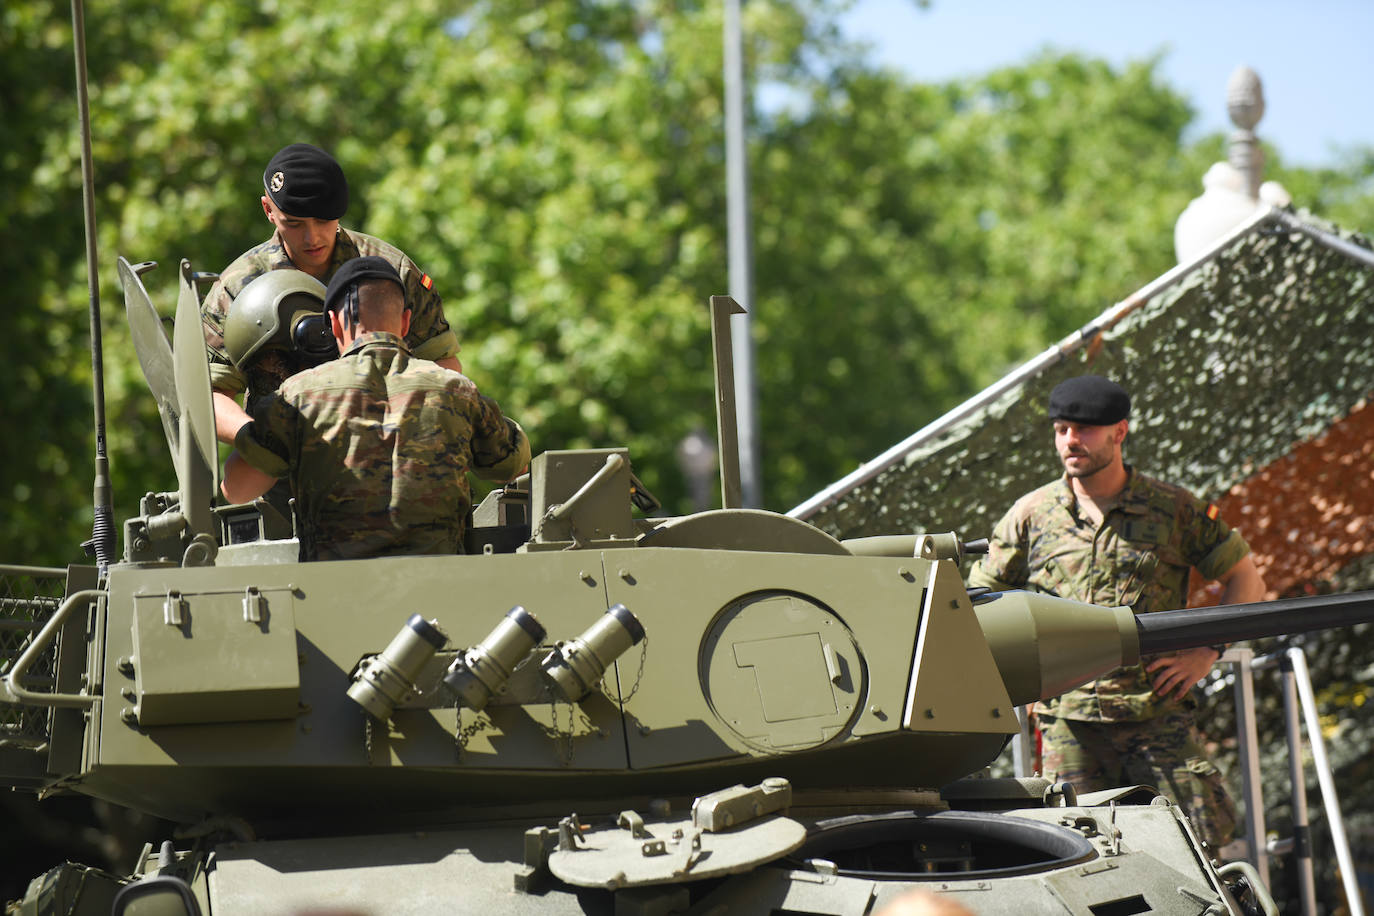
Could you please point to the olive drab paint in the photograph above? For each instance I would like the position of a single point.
(594, 706)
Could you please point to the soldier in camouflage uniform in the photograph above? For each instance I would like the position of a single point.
(1106, 534)
(304, 196)
(376, 444)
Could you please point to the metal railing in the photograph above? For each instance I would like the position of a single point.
(1297, 691)
(1300, 709)
(29, 596)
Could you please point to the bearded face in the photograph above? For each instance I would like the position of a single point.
(1084, 450)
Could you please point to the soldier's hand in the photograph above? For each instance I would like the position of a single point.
(1174, 675)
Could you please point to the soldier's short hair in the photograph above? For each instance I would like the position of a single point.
(367, 288)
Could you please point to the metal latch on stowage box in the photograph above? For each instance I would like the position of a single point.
(215, 656)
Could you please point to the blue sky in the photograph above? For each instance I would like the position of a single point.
(1315, 58)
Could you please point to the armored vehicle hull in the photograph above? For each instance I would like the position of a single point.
(587, 711)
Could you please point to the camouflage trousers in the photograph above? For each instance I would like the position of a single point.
(1164, 753)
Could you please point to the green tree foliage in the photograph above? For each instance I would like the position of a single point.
(959, 229)
(43, 326)
(558, 168)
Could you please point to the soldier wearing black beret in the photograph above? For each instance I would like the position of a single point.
(304, 195)
(1091, 400)
(375, 445)
(305, 181)
(1108, 535)
(341, 295)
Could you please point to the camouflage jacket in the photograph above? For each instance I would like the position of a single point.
(1140, 556)
(429, 336)
(376, 445)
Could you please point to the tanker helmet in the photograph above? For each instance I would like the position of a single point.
(283, 309)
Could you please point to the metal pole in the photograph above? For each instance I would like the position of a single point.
(1302, 836)
(1298, 663)
(1329, 239)
(1247, 741)
(1020, 744)
(103, 532)
(723, 309)
(741, 255)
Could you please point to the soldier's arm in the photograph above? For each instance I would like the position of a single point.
(430, 336)
(1005, 565)
(260, 454)
(226, 382)
(242, 482)
(1174, 675)
(500, 448)
(229, 415)
(1242, 583)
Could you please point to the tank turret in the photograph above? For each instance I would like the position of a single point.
(591, 710)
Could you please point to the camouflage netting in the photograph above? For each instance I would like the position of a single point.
(1257, 350)
(1251, 381)
(1311, 512)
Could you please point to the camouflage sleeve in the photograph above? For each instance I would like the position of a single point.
(263, 443)
(1005, 565)
(223, 376)
(500, 448)
(1225, 555)
(1207, 542)
(430, 336)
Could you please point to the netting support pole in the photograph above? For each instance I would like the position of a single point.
(1022, 760)
(1295, 670)
(1329, 239)
(1302, 833)
(1247, 752)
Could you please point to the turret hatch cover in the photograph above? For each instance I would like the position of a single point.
(178, 375)
(150, 343)
(197, 456)
(192, 369)
(672, 852)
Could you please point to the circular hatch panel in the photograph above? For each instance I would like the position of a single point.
(782, 671)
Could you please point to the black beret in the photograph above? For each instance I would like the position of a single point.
(304, 180)
(355, 270)
(1089, 399)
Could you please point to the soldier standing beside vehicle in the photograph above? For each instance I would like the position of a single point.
(1106, 534)
(305, 194)
(376, 444)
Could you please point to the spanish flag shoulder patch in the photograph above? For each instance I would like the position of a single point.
(426, 281)
(1212, 511)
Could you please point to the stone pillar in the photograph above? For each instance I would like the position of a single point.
(1234, 189)
(1245, 105)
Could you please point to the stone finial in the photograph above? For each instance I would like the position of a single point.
(1234, 189)
(1245, 104)
(1245, 98)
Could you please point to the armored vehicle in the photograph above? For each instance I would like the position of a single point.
(589, 711)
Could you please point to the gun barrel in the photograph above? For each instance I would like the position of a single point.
(1164, 631)
(1045, 645)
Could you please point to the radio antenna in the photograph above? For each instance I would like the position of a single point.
(102, 542)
